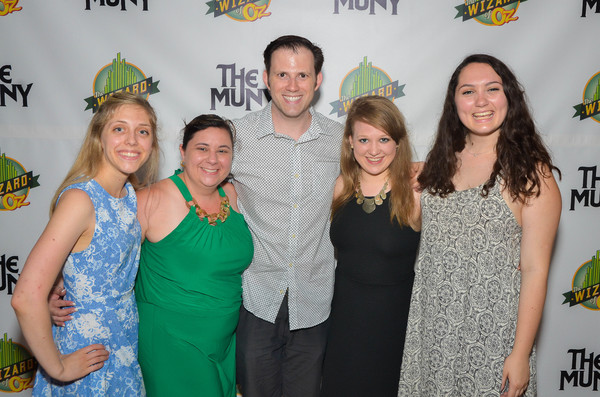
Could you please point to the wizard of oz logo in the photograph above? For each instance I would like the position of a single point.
(17, 367)
(15, 183)
(590, 107)
(586, 285)
(119, 75)
(365, 80)
(489, 12)
(239, 10)
(9, 6)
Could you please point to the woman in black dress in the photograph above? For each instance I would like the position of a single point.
(375, 230)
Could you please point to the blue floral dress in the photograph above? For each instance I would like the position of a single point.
(100, 281)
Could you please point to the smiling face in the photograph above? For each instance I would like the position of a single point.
(292, 82)
(207, 157)
(374, 149)
(126, 140)
(480, 100)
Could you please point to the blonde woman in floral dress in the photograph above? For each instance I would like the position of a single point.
(93, 241)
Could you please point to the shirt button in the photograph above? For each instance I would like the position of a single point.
(291, 264)
(281, 291)
(293, 236)
(295, 205)
(296, 175)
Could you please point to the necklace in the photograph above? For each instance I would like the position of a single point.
(369, 204)
(212, 218)
(478, 154)
(493, 149)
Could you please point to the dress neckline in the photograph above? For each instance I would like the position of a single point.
(125, 186)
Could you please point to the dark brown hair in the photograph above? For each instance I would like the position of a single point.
(521, 154)
(291, 42)
(203, 122)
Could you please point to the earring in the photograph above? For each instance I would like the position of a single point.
(351, 147)
(182, 164)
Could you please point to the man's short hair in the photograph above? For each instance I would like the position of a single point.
(292, 42)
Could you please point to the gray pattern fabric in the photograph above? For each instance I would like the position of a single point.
(284, 190)
(463, 310)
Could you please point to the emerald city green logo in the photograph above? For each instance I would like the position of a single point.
(590, 107)
(239, 10)
(15, 183)
(586, 285)
(119, 75)
(365, 80)
(489, 12)
(17, 367)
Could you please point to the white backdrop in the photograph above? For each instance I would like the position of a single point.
(51, 53)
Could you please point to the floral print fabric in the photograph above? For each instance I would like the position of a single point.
(100, 281)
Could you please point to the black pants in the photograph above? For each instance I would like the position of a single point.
(273, 361)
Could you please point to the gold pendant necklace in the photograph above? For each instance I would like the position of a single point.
(223, 213)
(369, 204)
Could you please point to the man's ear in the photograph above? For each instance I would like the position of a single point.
(266, 79)
(319, 80)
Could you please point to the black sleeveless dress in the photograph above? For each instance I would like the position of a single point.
(373, 284)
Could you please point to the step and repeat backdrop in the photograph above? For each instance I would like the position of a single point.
(60, 59)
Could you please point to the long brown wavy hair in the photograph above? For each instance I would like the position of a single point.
(521, 154)
(382, 114)
(89, 159)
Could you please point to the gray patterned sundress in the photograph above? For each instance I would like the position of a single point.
(463, 309)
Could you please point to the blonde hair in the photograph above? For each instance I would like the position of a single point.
(382, 114)
(90, 154)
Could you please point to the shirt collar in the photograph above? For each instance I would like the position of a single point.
(267, 128)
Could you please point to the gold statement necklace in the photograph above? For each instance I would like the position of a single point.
(369, 204)
(212, 218)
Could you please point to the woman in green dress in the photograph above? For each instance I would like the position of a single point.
(189, 288)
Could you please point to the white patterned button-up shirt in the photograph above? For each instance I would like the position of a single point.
(284, 190)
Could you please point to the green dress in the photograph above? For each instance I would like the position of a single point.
(189, 291)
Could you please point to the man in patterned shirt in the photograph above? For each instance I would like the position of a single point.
(285, 165)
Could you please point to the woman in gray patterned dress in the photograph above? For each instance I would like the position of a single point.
(490, 211)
